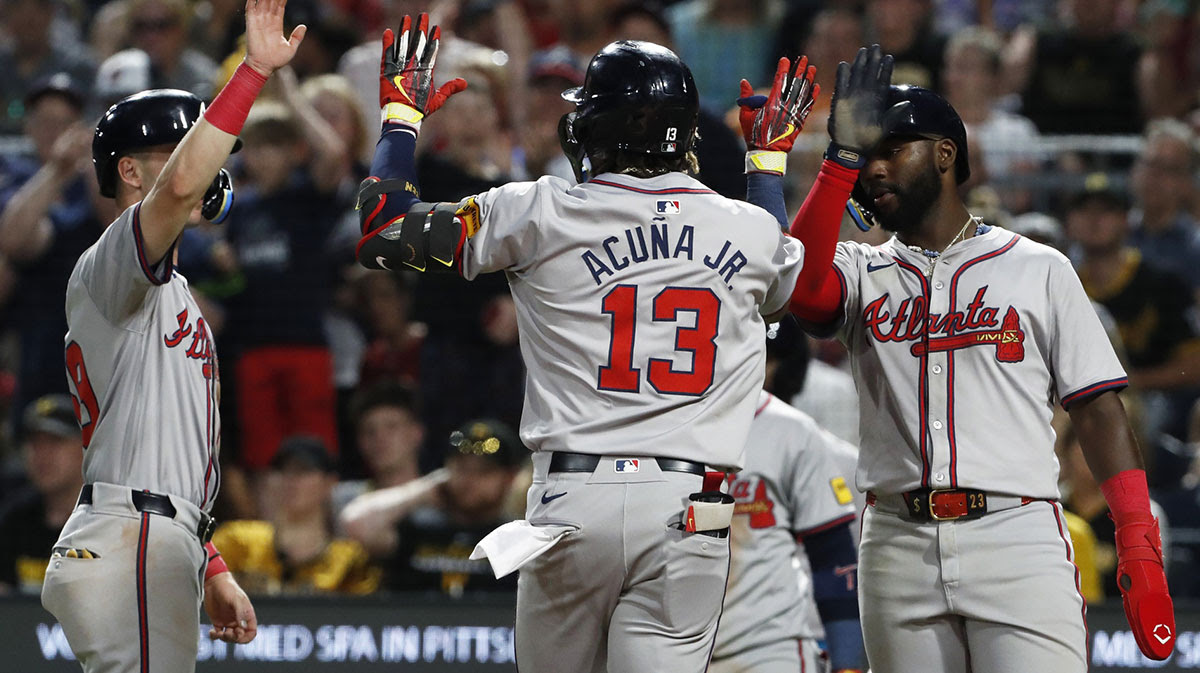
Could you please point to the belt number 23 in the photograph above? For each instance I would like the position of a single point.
(621, 376)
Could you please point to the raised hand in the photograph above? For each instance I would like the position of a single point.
(406, 93)
(856, 116)
(267, 49)
(772, 122)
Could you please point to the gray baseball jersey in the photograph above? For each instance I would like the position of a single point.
(790, 486)
(958, 368)
(638, 304)
(958, 363)
(143, 369)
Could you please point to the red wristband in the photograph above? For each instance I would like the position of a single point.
(216, 564)
(228, 112)
(1127, 496)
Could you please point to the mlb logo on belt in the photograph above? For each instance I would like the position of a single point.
(626, 464)
(668, 208)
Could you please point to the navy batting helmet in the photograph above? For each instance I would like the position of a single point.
(146, 119)
(928, 115)
(637, 97)
(922, 114)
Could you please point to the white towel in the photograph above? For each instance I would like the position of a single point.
(516, 543)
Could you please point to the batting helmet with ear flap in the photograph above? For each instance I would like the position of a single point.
(916, 112)
(637, 97)
(147, 119)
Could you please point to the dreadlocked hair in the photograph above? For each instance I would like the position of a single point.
(642, 165)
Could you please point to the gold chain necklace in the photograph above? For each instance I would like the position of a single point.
(934, 255)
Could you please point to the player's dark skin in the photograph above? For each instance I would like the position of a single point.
(912, 190)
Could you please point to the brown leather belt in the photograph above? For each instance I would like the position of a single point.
(154, 503)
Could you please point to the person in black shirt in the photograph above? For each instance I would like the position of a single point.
(435, 539)
(31, 518)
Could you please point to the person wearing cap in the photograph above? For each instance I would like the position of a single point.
(31, 518)
(1150, 306)
(439, 523)
(294, 550)
(48, 219)
(550, 72)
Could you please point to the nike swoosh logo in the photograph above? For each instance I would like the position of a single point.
(382, 262)
(547, 498)
(787, 131)
(876, 267)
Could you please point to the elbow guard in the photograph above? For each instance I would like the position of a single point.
(428, 237)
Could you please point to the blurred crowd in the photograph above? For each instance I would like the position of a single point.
(369, 417)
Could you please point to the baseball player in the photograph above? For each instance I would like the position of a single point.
(127, 574)
(638, 296)
(789, 491)
(962, 338)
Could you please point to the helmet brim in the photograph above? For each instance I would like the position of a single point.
(573, 95)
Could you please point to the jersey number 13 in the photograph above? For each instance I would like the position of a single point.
(620, 375)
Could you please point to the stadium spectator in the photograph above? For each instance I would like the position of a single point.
(1161, 226)
(49, 218)
(394, 352)
(742, 28)
(295, 551)
(1081, 76)
(971, 76)
(551, 72)
(31, 518)
(719, 151)
(389, 435)
(31, 53)
(160, 29)
(442, 525)
(279, 227)
(1150, 306)
(904, 28)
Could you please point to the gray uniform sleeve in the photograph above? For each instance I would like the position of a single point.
(115, 271)
(787, 261)
(1081, 357)
(507, 236)
(817, 487)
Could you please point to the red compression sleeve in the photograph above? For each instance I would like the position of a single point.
(1127, 496)
(216, 564)
(818, 293)
(228, 112)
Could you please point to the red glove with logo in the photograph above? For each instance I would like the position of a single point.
(771, 123)
(406, 93)
(1143, 585)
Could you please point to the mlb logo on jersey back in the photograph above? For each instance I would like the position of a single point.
(626, 464)
(668, 208)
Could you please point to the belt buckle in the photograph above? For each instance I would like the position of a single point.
(934, 515)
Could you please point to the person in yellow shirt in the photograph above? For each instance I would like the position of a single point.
(295, 551)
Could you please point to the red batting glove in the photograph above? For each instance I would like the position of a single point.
(1143, 585)
(406, 93)
(771, 123)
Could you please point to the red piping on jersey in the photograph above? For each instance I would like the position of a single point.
(840, 521)
(950, 355)
(141, 252)
(763, 405)
(1095, 389)
(639, 190)
(1062, 533)
(143, 623)
(210, 425)
(923, 380)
